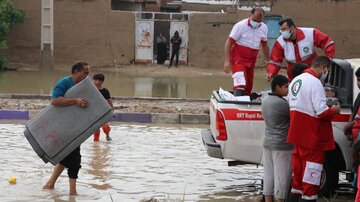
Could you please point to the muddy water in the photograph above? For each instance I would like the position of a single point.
(142, 162)
(34, 82)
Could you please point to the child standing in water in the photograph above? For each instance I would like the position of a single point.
(98, 81)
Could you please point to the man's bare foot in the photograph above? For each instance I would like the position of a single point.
(73, 193)
(47, 186)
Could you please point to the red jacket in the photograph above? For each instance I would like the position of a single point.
(310, 124)
(303, 51)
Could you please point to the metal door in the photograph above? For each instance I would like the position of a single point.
(182, 28)
(144, 34)
(272, 23)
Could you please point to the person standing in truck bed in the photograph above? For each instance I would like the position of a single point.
(241, 50)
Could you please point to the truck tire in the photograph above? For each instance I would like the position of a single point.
(329, 178)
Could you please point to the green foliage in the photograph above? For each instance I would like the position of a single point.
(9, 16)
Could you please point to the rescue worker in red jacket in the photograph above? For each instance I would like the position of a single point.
(310, 128)
(241, 50)
(297, 45)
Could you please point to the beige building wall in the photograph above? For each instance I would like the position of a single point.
(207, 35)
(91, 31)
(83, 30)
(24, 39)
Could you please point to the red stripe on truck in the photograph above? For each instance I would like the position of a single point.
(248, 115)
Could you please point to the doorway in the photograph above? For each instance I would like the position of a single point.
(272, 23)
(161, 44)
(149, 25)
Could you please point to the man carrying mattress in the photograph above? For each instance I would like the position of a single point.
(72, 162)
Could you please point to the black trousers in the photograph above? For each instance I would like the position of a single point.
(72, 163)
(173, 53)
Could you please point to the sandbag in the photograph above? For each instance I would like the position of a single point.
(57, 131)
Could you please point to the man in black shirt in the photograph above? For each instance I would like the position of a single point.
(176, 42)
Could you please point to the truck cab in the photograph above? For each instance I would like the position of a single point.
(237, 128)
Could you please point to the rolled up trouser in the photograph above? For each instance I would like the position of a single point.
(105, 127)
(72, 163)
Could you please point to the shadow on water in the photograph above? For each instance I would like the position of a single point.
(42, 82)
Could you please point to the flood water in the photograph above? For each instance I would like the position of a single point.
(42, 82)
(142, 162)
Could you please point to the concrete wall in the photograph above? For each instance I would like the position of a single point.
(88, 31)
(91, 31)
(207, 35)
(24, 39)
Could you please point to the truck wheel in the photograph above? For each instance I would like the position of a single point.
(329, 179)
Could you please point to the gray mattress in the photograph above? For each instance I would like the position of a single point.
(57, 131)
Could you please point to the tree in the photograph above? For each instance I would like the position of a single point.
(9, 16)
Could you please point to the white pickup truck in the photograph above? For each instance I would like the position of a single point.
(237, 128)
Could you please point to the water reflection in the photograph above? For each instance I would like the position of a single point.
(99, 166)
(42, 82)
(174, 87)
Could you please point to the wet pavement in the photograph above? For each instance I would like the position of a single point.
(141, 163)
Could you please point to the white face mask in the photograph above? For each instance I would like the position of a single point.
(286, 34)
(254, 24)
(323, 76)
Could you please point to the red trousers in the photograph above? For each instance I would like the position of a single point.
(243, 75)
(106, 128)
(307, 165)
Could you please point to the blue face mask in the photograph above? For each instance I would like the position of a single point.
(286, 34)
(254, 24)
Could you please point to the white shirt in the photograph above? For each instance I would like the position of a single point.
(247, 36)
